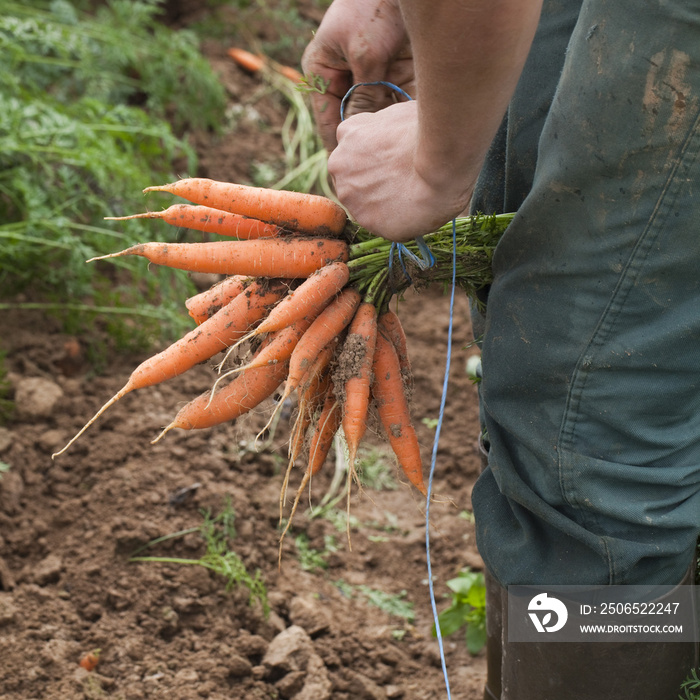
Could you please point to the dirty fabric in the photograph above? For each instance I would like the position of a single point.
(591, 346)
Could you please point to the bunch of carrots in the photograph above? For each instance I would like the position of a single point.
(305, 302)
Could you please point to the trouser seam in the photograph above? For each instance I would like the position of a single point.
(687, 155)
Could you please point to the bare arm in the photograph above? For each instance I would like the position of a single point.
(411, 167)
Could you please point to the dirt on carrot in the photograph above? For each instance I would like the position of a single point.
(350, 361)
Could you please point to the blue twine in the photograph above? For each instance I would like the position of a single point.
(433, 461)
(426, 260)
(348, 94)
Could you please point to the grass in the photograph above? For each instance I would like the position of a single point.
(394, 604)
(217, 533)
(314, 559)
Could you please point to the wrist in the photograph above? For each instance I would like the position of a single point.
(449, 173)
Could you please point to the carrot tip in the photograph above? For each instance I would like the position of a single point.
(165, 430)
(103, 257)
(145, 215)
(113, 400)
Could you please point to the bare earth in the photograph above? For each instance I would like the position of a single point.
(69, 526)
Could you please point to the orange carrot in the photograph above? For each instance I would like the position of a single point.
(359, 351)
(319, 336)
(290, 73)
(278, 348)
(312, 387)
(213, 335)
(321, 441)
(255, 63)
(306, 213)
(246, 59)
(262, 258)
(205, 304)
(209, 220)
(246, 391)
(388, 393)
(311, 396)
(326, 427)
(318, 341)
(90, 660)
(328, 325)
(390, 323)
(308, 299)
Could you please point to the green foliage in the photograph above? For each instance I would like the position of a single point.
(4, 468)
(691, 687)
(391, 603)
(218, 556)
(89, 105)
(314, 559)
(280, 29)
(375, 470)
(120, 55)
(468, 608)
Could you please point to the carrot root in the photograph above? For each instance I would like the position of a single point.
(122, 392)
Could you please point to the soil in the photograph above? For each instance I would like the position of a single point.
(69, 526)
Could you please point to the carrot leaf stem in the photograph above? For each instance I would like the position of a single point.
(378, 277)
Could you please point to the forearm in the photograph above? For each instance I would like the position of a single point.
(468, 57)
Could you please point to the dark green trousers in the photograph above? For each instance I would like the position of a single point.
(591, 345)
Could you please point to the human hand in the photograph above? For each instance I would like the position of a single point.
(388, 186)
(358, 41)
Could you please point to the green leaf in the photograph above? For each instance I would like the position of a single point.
(452, 619)
(475, 638)
(464, 582)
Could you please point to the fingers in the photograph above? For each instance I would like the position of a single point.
(358, 41)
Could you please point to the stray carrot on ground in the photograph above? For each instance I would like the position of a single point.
(245, 59)
(90, 660)
(256, 63)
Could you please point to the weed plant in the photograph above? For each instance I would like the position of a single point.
(690, 687)
(217, 533)
(467, 610)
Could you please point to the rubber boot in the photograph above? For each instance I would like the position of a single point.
(595, 670)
